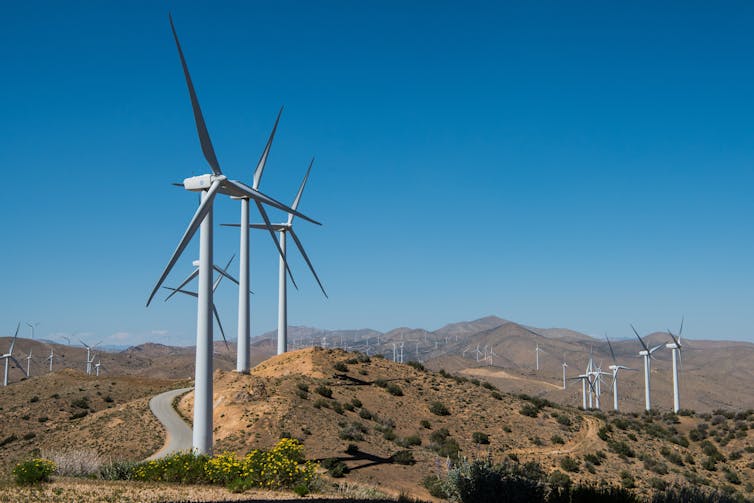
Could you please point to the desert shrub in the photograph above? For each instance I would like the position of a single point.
(672, 456)
(323, 390)
(592, 459)
(627, 480)
(79, 415)
(353, 431)
(656, 466)
(480, 438)
(335, 467)
(33, 471)
(416, 365)
(496, 395)
(604, 433)
(303, 387)
(442, 443)
(43, 419)
(475, 382)
(34, 399)
(80, 403)
(564, 420)
(25, 417)
(394, 389)
(481, 482)
(76, 462)
(337, 407)
(439, 409)
(381, 383)
(735, 455)
(182, 467)
(569, 464)
(352, 449)
(557, 439)
(691, 494)
(529, 410)
(657, 483)
(341, 367)
(108, 399)
(589, 493)
(387, 433)
(117, 470)
(356, 402)
(425, 424)
(621, 448)
(410, 441)
(731, 476)
(403, 458)
(7, 440)
(302, 394)
(320, 403)
(435, 486)
(365, 414)
(29, 436)
(709, 464)
(559, 481)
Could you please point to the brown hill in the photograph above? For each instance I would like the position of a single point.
(331, 399)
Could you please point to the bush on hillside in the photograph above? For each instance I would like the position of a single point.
(33, 471)
(439, 409)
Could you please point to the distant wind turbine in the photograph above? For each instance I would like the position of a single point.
(675, 348)
(9, 356)
(615, 369)
(646, 353)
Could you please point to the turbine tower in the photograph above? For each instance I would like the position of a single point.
(9, 356)
(89, 356)
(565, 365)
(209, 185)
(28, 363)
(284, 229)
(646, 353)
(50, 358)
(675, 347)
(615, 368)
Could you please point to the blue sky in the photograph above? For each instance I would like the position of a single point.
(580, 165)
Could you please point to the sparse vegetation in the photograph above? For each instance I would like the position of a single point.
(323, 390)
(439, 409)
(480, 438)
(33, 471)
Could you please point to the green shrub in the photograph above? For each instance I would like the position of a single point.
(352, 449)
(496, 395)
(324, 391)
(356, 402)
(439, 409)
(29, 436)
(569, 464)
(341, 367)
(593, 459)
(410, 441)
(117, 470)
(627, 480)
(403, 458)
(79, 415)
(621, 448)
(321, 402)
(33, 471)
(365, 414)
(7, 440)
(34, 399)
(335, 467)
(394, 389)
(302, 394)
(425, 424)
(557, 439)
(416, 365)
(435, 486)
(480, 438)
(482, 482)
(564, 420)
(529, 410)
(80, 403)
(382, 383)
(303, 387)
(337, 407)
(559, 481)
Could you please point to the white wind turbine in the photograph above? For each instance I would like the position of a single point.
(615, 368)
(537, 350)
(97, 367)
(284, 229)
(209, 185)
(675, 347)
(585, 380)
(50, 358)
(28, 363)
(9, 356)
(89, 355)
(565, 365)
(223, 273)
(646, 353)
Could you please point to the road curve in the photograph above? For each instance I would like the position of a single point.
(178, 435)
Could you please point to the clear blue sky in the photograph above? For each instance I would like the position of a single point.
(580, 165)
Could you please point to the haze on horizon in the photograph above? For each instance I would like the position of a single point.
(582, 166)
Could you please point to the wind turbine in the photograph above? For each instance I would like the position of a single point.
(32, 325)
(537, 351)
(28, 363)
(9, 356)
(615, 368)
(97, 367)
(209, 185)
(89, 356)
(565, 365)
(646, 353)
(284, 229)
(223, 274)
(585, 379)
(50, 358)
(675, 347)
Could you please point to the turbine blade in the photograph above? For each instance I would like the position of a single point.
(196, 221)
(191, 276)
(308, 262)
(20, 367)
(275, 239)
(612, 353)
(184, 292)
(224, 273)
(17, 328)
(680, 332)
(676, 341)
(201, 127)
(640, 339)
(244, 190)
(219, 324)
(300, 191)
(265, 154)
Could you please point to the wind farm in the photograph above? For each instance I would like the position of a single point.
(535, 172)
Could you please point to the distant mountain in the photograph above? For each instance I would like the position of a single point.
(470, 327)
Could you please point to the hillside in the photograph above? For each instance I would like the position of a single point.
(330, 399)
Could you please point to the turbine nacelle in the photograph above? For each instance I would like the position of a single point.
(201, 182)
